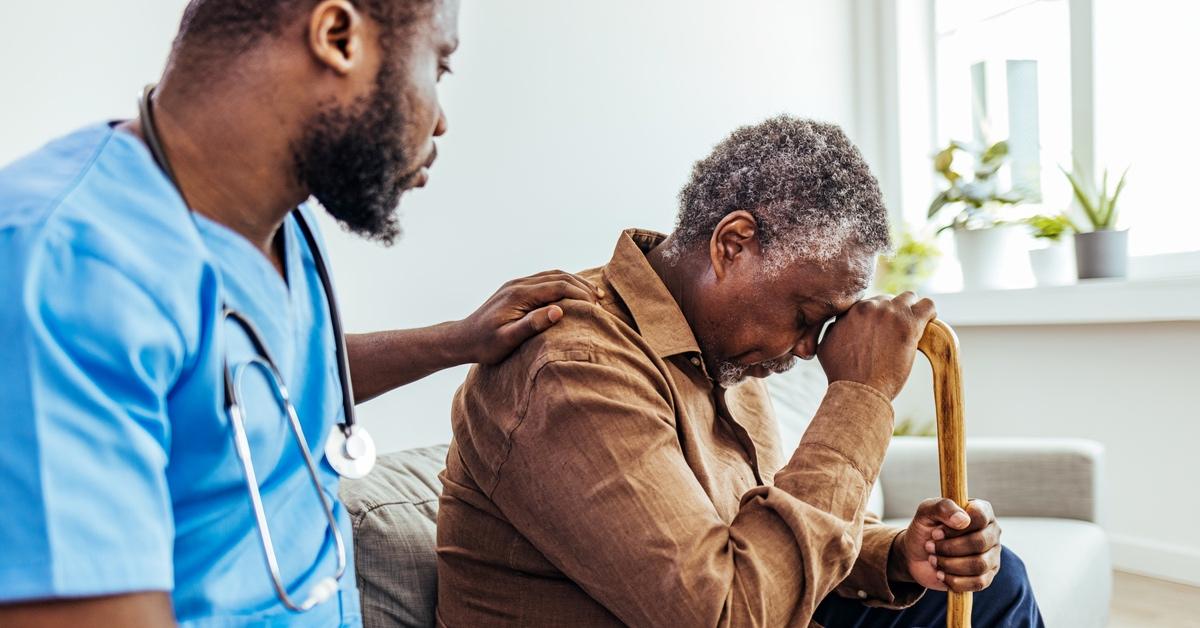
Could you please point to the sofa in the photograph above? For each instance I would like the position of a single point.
(1046, 494)
(1047, 497)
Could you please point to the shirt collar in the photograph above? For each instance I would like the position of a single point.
(655, 313)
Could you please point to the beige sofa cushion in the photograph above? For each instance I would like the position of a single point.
(394, 512)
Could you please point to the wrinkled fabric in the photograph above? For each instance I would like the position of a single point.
(598, 477)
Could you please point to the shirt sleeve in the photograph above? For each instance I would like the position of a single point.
(598, 483)
(85, 365)
(868, 579)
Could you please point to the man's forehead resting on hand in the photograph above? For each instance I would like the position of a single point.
(777, 233)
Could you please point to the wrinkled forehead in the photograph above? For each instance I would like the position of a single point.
(837, 282)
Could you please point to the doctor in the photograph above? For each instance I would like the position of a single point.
(176, 394)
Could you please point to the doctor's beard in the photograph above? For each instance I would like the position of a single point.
(354, 161)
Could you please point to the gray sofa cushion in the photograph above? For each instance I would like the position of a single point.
(394, 512)
(1021, 477)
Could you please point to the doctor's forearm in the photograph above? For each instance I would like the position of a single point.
(384, 360)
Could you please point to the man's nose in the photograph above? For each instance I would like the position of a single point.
(806, 348)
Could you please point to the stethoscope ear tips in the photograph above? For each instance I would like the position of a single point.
(351, 452)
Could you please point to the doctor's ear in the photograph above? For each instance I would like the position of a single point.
(336, 35)
(734, 239)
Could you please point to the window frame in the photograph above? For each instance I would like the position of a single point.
(896, 42)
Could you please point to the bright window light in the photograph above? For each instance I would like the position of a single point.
(1003, 71)
(1146, 54)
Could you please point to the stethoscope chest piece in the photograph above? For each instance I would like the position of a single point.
(351, 454)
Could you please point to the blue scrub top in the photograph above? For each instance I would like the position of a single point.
(117, 470)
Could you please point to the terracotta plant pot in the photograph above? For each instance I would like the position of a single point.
(1102, 254)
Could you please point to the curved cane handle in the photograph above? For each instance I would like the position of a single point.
(940, 345)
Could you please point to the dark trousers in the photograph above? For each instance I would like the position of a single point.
(1007, 603)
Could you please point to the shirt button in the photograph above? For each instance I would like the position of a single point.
(696, 362)
(862, 595)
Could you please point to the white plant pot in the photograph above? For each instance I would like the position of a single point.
(1054, 265)
(993, 258)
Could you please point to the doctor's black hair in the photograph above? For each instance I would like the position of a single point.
(219, 28)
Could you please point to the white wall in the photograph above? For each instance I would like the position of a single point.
(568, 122)
(1131, 387)
(67, 64)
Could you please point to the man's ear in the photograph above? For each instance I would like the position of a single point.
(734, 240)
(336, 35)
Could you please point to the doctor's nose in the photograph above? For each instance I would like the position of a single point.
(442, 125)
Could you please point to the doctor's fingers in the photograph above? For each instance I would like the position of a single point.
(558, 275)
(550, 290)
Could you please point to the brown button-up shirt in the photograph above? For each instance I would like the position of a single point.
(599, 477)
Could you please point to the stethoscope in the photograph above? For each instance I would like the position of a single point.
(349, 449)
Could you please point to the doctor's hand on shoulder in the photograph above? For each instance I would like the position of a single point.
(519, 310)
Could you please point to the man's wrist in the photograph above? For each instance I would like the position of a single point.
(897, 566)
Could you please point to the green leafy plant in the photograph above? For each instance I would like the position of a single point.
(978, 198)
(1099, 207)
(907, 267)
(1051, 228)
(909, 426)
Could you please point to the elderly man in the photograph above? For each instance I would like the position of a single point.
(624, 467)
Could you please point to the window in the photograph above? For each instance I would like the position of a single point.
(1145, 73)
(1120, 94)
(1003, 72)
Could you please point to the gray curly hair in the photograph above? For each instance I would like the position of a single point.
(803, 181)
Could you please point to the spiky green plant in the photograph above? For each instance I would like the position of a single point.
(1099, 207)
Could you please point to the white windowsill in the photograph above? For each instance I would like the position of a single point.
(1088, 302)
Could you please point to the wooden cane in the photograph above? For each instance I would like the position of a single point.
(940, 345)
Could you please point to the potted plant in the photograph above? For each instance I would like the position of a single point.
(1054, 263)
(988, 247)
(1103, 251)
(909, 266)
